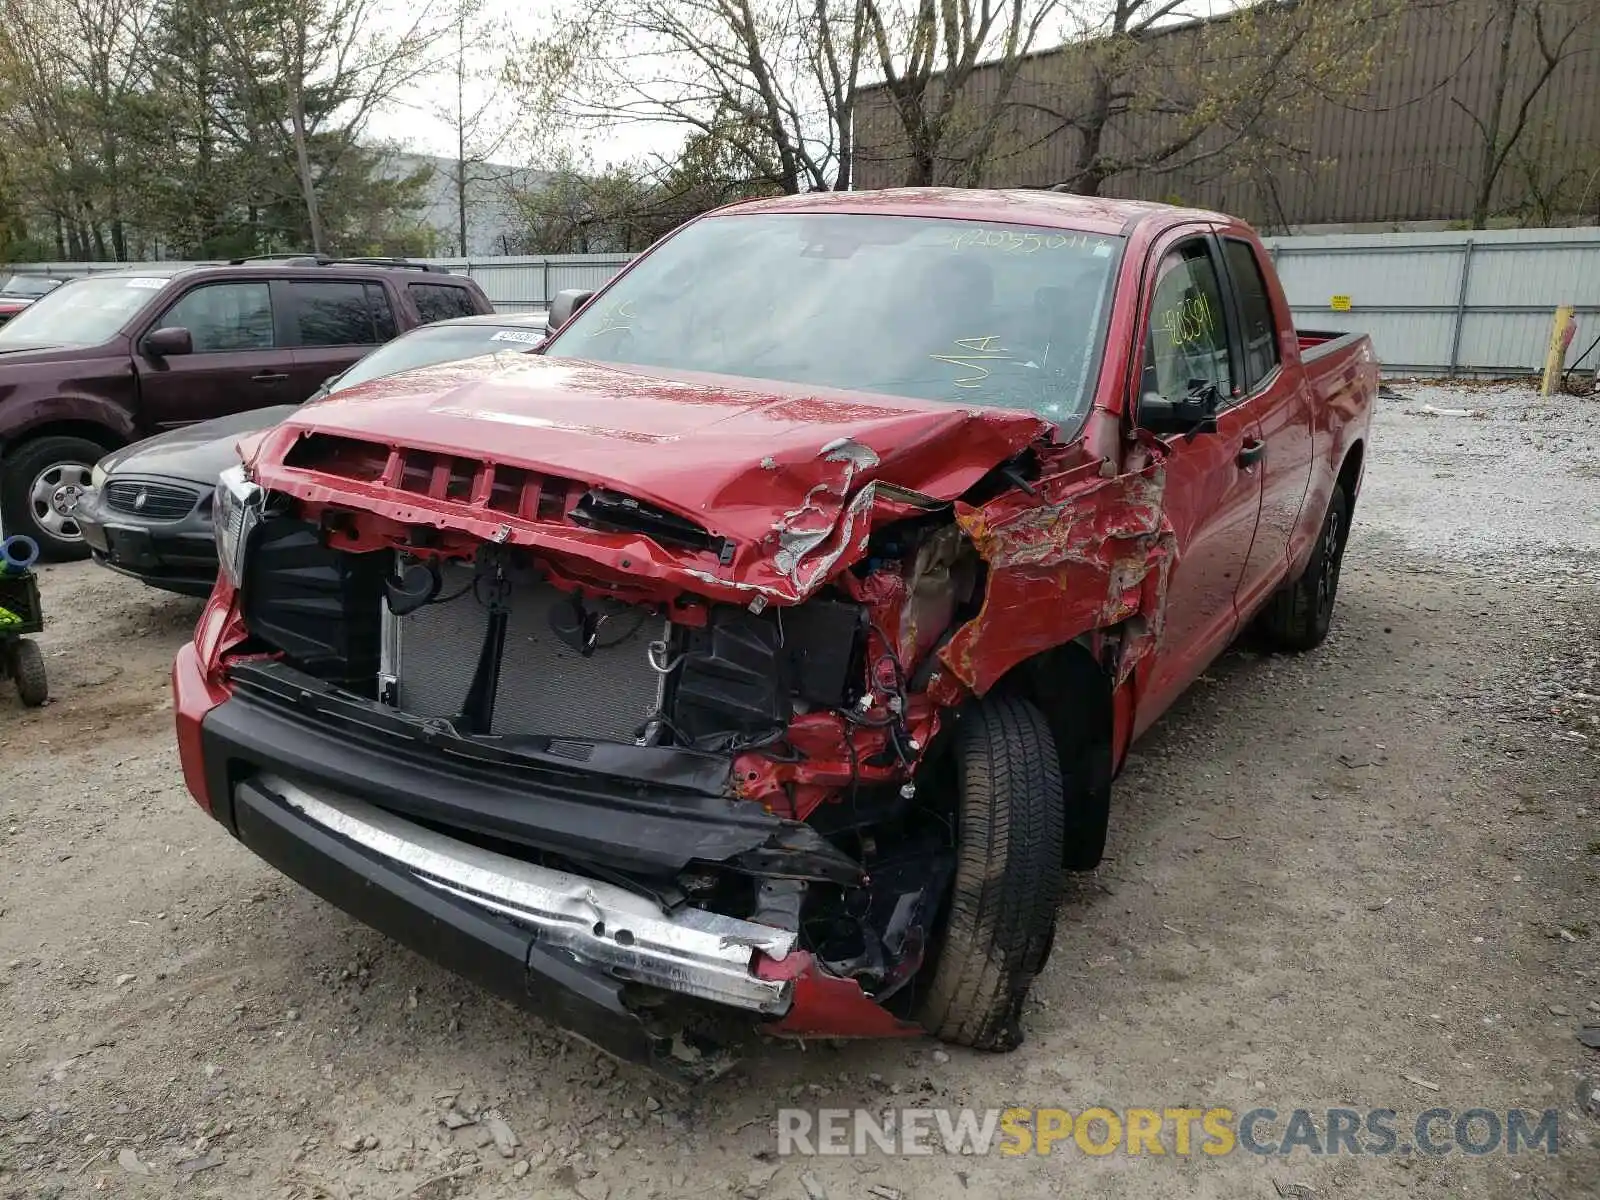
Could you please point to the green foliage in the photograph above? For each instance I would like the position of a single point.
(167, 128)
(624, 209)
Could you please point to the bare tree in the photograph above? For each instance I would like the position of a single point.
(781, 75)
(1553, 27)
(314, 72)
(1158, 86)
(927, 55)
(475, 110)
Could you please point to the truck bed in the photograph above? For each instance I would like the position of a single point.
(1315, 343)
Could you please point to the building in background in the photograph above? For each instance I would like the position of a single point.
(494, 221)
(1407, 151)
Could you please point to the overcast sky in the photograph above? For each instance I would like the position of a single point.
(412, 123)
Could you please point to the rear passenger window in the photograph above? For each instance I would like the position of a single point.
(333, 314)
(224, 317)
(1255, 311)
(441, 301)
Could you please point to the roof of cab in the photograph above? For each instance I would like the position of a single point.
(1053, 210)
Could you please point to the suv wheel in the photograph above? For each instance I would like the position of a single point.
(43, 480)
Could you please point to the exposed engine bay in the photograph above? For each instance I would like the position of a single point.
(502, 648)
(784, 714)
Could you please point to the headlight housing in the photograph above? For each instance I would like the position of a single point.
(236, 511)
(97, 477)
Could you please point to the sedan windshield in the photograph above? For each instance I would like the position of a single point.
(959, 312)
(28, 285)
(437, 344)
(84, 312)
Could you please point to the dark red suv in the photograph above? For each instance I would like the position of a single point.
(108, 359)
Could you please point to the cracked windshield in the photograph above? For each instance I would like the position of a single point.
(961, 312)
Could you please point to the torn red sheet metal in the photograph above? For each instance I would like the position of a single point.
(827, 1006)
(1086, 553)
(823, 756)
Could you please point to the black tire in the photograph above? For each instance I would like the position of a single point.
(69, 458)
(1298, 617)
(1002, 911)
(27, 667)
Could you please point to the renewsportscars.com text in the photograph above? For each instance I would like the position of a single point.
(1181, 1132)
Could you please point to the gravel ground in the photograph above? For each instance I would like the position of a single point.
(1362, 878)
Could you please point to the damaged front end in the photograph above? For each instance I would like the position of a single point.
(684, 756)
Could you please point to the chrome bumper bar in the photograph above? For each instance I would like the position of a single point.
(691, 952)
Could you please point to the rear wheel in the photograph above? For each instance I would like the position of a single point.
(1299, 616)
(42, 482)
(27, 668)
(1001, 917)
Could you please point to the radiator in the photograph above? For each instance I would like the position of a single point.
(546, 687)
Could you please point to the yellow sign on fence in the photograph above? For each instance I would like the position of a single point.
(1340, 304)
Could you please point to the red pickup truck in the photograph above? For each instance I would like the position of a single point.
(773, 636)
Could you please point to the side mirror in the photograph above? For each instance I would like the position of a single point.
(163, 343)
(1191, 414)
(323, 388)
(564, 305)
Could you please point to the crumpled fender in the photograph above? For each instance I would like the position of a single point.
(1090, 551)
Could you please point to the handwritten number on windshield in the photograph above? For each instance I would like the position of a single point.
(975, 353)
(1010, 241)
(616, 319)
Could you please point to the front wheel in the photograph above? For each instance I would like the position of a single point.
(1298, 617)
(42, 482)
(1002, 910)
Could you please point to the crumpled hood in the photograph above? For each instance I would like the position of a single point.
(742, 457)
(197, 453)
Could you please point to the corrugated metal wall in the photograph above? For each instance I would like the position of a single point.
(531, 281)
(1479, 302)
(1405, 150)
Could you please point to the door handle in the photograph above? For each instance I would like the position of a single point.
(1252, 452)
(268, 377)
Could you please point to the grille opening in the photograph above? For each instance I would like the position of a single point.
(505, 494)
(552, 504)
(416, 472)
(459, 484)
(345, 457)
(615, 513)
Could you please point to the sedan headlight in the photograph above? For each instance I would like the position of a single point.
(236, 511)
(97, 477)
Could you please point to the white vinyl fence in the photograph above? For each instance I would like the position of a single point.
(1435, 303)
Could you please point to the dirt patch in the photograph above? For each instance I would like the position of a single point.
(1364, 878)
